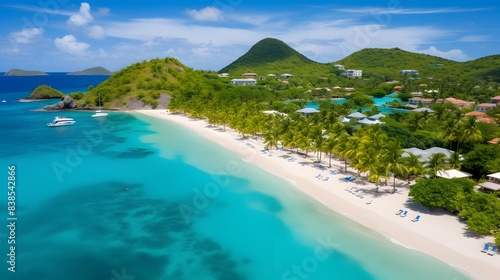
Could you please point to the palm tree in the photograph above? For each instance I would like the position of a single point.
(414, 166)
(469, 131)
(437, 162)
(455, 160)
(377, 173)
(393, 161)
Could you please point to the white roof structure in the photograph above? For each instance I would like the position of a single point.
(495, 175)
(286, 75)
(307, 111)
(274, 112)
(271, 75)
(376, 117)
(452, 173)
(422, 110)
(357, 115)
(426, 154)
(490, 186)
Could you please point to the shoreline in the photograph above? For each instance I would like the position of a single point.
(437, 234)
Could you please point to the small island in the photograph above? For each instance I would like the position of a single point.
(20, 72)
(92, 71)
(42, 93)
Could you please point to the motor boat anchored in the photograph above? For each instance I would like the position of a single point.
(99, 113)
(61, 121)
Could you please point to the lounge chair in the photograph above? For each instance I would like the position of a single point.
(493, 251)
(370, 202)
(399, 212)
(334, 172)
(404, 214)
(417, 218)
(326, 179)
(486, 248)
(317, 176)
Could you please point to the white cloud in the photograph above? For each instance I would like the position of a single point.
(96, 32)
(27, 35)
(454, 54)
(206, 14)
(70, 44)
(474, 38)
(83, 16)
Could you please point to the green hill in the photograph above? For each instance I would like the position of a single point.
(92, 71)
(20, 72)
(485, 68)
(145, 84)
(272, 56)
(387, 64)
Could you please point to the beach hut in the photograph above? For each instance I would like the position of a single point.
(357, 116)
(306, 112)
(376, 117)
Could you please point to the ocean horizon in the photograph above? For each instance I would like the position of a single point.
(134, 197)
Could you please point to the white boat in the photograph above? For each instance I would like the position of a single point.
(99, 113)
(3, 101)
(61, 121)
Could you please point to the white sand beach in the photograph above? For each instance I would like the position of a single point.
(437, 233)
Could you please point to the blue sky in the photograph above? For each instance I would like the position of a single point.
(68, 35)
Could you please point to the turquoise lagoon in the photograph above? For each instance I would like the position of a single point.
(133, 197)
(379, 103)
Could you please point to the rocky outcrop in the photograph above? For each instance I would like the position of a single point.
(66, 103)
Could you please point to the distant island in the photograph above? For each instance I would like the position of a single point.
(92, 71)
(21, 72)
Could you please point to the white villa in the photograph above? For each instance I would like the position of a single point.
(244, 82)
(352, 73)
(408, 71)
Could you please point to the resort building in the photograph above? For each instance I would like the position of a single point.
(493, 183)
(419, 100)
(495, 100)
(404, 72)
(349, 89)
(477, 114)
(244, 82)
(250, 75)
(351, 73)
(286, 76)
(459, 103)
(224, 75)
(397, 88)
(339, 66)
(484, 107)
(306, 112)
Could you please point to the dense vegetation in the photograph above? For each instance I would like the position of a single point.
(45, 92)
(480, 210)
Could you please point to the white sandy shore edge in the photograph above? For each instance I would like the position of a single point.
(438, 234)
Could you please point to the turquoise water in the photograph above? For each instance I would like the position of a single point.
(379, 103)
(132, 197)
